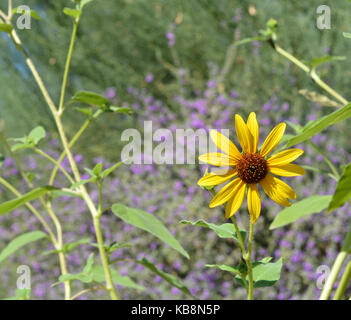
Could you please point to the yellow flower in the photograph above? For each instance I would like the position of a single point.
(250, 167)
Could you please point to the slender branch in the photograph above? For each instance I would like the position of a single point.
(71, 144)
(10, 9)
(345, 279)
(68, 63)
(249, 262)
(52, 160)
(86, 291)
(32, 209)
(339, 261)
(105, 262)
(326, 159)
(311, 73)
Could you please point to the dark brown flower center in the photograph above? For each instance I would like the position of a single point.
(252, 168)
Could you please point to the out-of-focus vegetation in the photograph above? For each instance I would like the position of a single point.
(121, 41)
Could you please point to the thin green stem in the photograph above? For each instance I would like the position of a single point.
(249, 262)
(326, 159)
(52, 160)
(71, 144)
(344, 282)
(31, 208)
(67, 66)
(105, 263)
(311, 73)
(339, 261)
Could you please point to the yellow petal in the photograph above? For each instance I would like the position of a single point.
(235, 202)
(253, 127)
(271, 188)
(273, 139)
(217, 159)
(244, 134)
(253, 202)
(215, 178)
(284, 189)
(287, 170)
(225, 193)
(284, 157)
(223, 143)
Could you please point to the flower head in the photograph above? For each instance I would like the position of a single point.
(246, 169)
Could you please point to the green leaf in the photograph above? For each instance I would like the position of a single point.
(37, 134)
(248, 40)
(89, 265)
(97, 170)
(75, 13)
(343, 190)
(171, 279)
(91, 98)
(70, 246)
(85, 111)
(33, 13)
(4, 27)
(305, 207)
(108, 171)
(149, 223)
(21, 241)
(224, 267)
(320, 60)
(226, 230)
(22, 200)
(98, 275)
(347, 35)
(124, 110)
(80, 183)
(264, 274)
(85, 278)
(318, 125)
(21, 294)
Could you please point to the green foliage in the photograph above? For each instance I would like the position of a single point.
(146, 221)
(224, 267)
(33, 13)
(171, 279)
(4, 27)
(299, 209)
(225, 230)
(318, 125)
(19, 242)
(343, 190)
(265, 273)
(11, 205)
(30, 141)
(21, 294)
(69, 246)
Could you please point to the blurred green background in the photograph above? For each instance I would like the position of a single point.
(121, 41)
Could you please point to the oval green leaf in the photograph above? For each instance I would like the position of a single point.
(305, 207)
(147, 222)
(21, 241)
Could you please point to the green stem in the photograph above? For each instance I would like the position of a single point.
(31, 208)
(339, 261)
(311, 73)
(68, 63)
(326, 159)
(71, 144)
(109, 284)
(345, 279)
(52, 160)
(249, 262)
